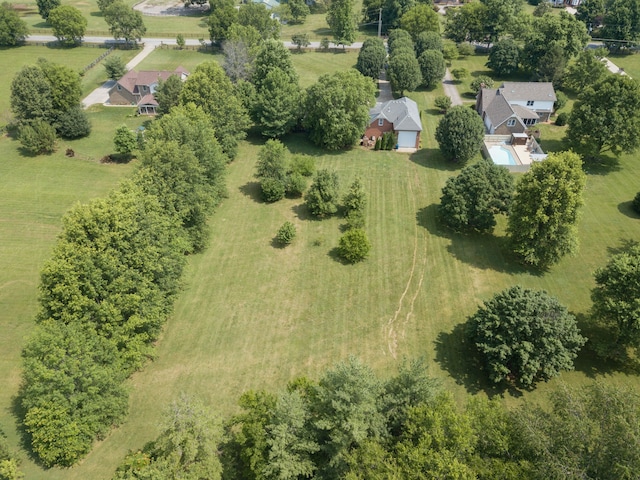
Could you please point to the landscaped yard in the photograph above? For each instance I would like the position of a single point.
(255, 316)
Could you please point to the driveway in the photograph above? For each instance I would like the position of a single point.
(384, 86)
(450, 89)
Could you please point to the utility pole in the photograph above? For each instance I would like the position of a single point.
(379, 22)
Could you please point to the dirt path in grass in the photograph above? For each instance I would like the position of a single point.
(450, 89)
(395, 328)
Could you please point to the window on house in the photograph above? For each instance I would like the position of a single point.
(119, 87)
(529, 121)
(511, 122)
(529, 103)
(380, 122)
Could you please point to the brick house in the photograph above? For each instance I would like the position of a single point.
(400, 116)
(138, 88)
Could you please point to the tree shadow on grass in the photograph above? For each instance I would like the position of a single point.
(253, 191)
(432, 158)
(552, 145)
(24, 439)
(334, 254)
(457, 356)
(302, 212)
(625, 245)
(482, 251)
(601, 165)
(626, 208)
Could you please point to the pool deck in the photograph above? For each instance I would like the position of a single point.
(520, 153)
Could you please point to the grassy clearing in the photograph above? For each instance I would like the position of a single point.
(630, 63)
(310, 65)
(170, 59)
(255, 316)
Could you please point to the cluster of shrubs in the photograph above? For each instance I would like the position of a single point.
(281, 175)
(385, 142)
(110, 285)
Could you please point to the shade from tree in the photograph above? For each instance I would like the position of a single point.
(460, 134)
(524, 336)
(544, 214)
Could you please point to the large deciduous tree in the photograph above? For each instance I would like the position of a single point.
(420, 18)
(471, 200)
(45, 7)
(460, 134)
(428, 41)
(124, 22)
(616, 301)
(371, 58)
(299, 10)
(209, 88)
(432, 67)
(404, 71)
(13, 29)
(222, 14)
(68, 24)
(342, 21)
(543, 218)
(621, 22)
(337, 109)
(504, 57)
(585, 70)
(257, 16)
(278, 104)
(168, 94)
(524, 336)
(31, 95)
(606, 117)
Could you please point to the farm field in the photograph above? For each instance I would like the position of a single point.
(254, 316)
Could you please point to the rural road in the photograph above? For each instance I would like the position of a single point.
(101, 94)
(450, 90)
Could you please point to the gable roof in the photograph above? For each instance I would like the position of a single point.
(403, 113)
(132, 79)
(524, 91)
(268, 3)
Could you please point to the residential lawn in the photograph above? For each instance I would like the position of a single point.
(310, 65)
(193, 26)
(255, 316)
(169, 59)
(630, 63)
(13, 59)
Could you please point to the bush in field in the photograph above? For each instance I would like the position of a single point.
(442, 103)
(354, 245)
(37, 138)
(272, 189)
(286, 233)
(322, 196)
(74, 123)
(561, 119)
(481, 82)
(296, 185)
(115, 67)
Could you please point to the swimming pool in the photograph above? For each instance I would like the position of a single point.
(502, 156)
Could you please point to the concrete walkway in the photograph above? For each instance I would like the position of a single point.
(450, 89)
(613, 68)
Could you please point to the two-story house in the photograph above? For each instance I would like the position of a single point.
(515, 106)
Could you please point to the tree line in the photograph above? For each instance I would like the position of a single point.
(111, 283)
(353, 424)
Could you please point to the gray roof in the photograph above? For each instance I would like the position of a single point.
(524, 112)
(537, 91)
(498, 110)
(403, 113)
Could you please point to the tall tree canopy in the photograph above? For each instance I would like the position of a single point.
(471, 199)
(460, 134)
(606, 117)
(124, 22)
(544, 214)
(209, 88)
(616, 300)
(524, 336)
(342, 21)
(45, 7)
(404, 71)
(371, 58)
(68, 24)
(420, 18)
(13, 29)
(337, 109)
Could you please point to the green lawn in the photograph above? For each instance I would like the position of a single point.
(170, 59)
(13, 59)
(630, 63)
(255, 316)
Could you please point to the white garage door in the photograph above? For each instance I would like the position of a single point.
(407, 139)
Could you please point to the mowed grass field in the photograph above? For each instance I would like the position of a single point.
(254, 316)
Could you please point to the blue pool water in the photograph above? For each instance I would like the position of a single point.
(502, 156)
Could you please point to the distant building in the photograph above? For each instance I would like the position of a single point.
(270, 4)
(138, 88)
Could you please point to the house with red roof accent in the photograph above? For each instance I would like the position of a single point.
(138, 88)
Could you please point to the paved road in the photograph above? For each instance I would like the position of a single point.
(450, 89)
(101, 94)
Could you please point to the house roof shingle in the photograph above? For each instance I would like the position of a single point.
(524, 91)
(403, 113)
(132, 79)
